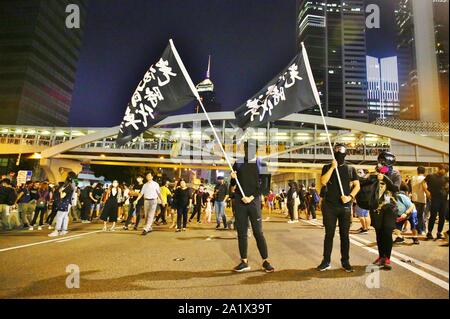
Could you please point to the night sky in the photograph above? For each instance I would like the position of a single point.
(250, 42)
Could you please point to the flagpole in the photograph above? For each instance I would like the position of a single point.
(194, 90)
(317, 97)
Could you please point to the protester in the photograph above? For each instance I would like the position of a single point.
(150, 193)
(387, 184)
(292, 197)
(43, 199)
(8, 198)
(87, 200)
(65, 199)
(419, 198)
(183, 201)
(164, 206)
(208, 210)
(111, 208)
(337, 206)
(220, 199)
(136, 206)
(406, 213)
(27, 202)
(248, 207)
(55, 204)
(270, 202)
(363, 214)
(199, 203)
(436, 187)
(313, 200)
(98, 195)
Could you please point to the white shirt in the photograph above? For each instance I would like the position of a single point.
(417, 191)
(150, 190)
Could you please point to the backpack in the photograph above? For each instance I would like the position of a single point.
(367, 197)
(316, 197)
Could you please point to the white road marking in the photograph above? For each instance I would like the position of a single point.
(439, 282)
(58, 239)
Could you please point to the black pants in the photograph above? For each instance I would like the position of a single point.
(52, 216)
(39, 211)
(332, 215)
(290, 206)
(244, 213)
(197, 211)
(162, 213)
(130, 215)
(312, 210)
(182, 214)
(438, 208)
(384, 224)
(85, 210)
(420, 216)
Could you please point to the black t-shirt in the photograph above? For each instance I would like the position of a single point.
(137, 189)
(97, 193)
(249, 177)
(333, 191)
(220, 191)
(84, 195)
(182, 197)
(437, 186)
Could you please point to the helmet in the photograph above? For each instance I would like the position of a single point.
(386, 158)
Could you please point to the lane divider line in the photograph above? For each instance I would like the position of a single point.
(58, 239)
(439, 282)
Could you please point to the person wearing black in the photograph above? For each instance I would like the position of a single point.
(220, 200)
(291, 198)
(87, 200)
(387, 184)
(97, 193)
(436, 188)
(183, 200)
(336, 206)
(313, 199)
(139, 206)
(248, 207)
(199, 203)
(55, 203)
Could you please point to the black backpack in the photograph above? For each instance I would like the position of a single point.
(367, 197)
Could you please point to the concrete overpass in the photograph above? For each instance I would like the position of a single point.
(297, 144)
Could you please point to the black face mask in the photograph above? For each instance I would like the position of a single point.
(340, 158)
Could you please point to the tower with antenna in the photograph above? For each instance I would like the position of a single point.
(207, 94)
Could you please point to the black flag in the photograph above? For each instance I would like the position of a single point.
(163, 90)
(291, 91)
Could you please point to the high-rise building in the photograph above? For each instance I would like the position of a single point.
(38, 60)
(382, 88)
(422, 33)
(333, 32)
(207, 94)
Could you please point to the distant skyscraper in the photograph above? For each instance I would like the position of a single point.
(207, 94)
(382, 88)
(38, 61)
(422, 33)
(334, 35)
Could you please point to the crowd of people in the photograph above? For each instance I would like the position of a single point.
(381, 199)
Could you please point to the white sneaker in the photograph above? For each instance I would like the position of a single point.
(112, 229)
(31, 228)
(39, 228)
(290, 222)
(50, 227)
(63, 233)
(104, 228)
(295, 221)
(54, 234)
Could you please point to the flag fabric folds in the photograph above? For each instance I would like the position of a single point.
(291, 91)
(163, 90)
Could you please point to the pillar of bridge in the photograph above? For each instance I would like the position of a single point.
(56, 170)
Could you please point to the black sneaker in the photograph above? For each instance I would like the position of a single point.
(416, 241)
(323, 266)
(439, 236)
(347, 267)
(144, 232)
(217, 227)
(399, 240)
(135, 228)
(242, 267)
(125, 228)
(267, 267)
(430, 236)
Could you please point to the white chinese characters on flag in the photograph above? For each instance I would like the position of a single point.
(291, 91)
(162, 91)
